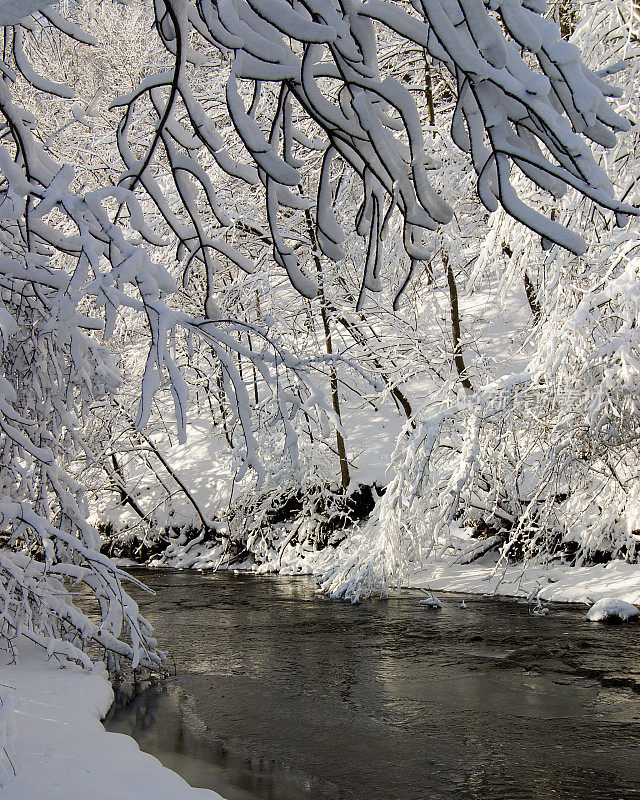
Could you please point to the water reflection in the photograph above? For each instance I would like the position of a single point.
(283, 694)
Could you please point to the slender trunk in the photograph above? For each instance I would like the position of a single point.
(532, 297)
(335, 401)
(116, 476)
(220, 395)
(256, 393)
(333, 377)
(565, 18)
(428, 89)
(223, 409)
(455, 327)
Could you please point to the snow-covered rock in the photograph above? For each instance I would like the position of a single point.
(431, 601)
(610, 609)
(540, 610)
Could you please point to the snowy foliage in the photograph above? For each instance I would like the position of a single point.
(52, 370)
(525, 104)
(267, 105)
(67, 270)
(543, 462)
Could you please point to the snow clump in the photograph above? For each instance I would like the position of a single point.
(431, 601)
(610, 609)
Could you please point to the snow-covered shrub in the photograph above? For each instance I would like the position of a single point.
(52, 369)
(61, 259)
(295, 519)
(543, 464)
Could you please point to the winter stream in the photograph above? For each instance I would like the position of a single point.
(284, 695)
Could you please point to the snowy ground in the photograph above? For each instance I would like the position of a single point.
(61, 751)
(555, 583)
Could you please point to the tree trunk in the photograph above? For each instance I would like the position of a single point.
(455, 327)
(116, 476)
(333, 376)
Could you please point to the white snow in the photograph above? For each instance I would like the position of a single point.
(430, 601)
(553, 582)
(609, 609)
(61, 751)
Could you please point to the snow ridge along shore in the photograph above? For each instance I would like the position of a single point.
(58, 746)
(551, 582)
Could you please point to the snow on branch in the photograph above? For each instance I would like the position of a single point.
(526, 104)
(70, 261)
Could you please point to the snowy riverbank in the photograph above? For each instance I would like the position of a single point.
(550, 583)
(58, 746)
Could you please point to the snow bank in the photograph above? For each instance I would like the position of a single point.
(61, 751)
(553, 582)
(611, 609)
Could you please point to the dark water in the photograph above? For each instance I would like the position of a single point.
(286, 695)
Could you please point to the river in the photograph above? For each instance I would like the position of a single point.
(281, 694)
